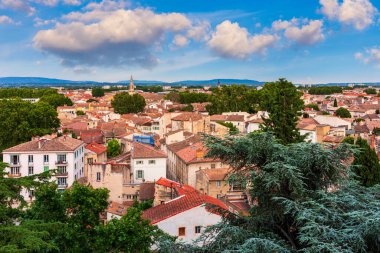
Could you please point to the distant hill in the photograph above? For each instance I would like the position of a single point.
(30, 81)
(197, 82)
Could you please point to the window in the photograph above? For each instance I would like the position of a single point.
(152, 162)
(62, 181)
(15, 159)
(46, 158)
(31, 193)
(61, 158)
(90, 160)
(15, 170)
(46, 168)
(30, 170)
(213, 166)
(198, 229)
(181, 231)
(139, 162)
(62, 169)
(98, 176)
(218, 183)
(140, 174)
(30, 158)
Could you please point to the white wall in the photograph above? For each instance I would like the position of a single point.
(311, 135)
(253, 127)
(197, 216)
(152, 172)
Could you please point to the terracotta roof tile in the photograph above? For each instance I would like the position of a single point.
(145, 151)
(96, 148)
(187, 116)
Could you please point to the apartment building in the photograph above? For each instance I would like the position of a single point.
(63, 154)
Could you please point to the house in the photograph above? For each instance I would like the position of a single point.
(64, 154)
(187, 214)
(147, 163)
(190, 122)
(213, 182)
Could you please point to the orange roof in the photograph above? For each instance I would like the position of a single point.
(189, 199)
(187, 116)
(96, 148)
(145, 151)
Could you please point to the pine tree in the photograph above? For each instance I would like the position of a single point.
(366, 164)
(283, 102)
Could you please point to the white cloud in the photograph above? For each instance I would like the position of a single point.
(358, 13)
(46, 2)
(72, 2)
(232, 41)
(6, 20)
(111, 38)
(199, 31)
(109, 5)
(42, 22)
(18, 5)
(370, 56)
(180, 40)
(302, 32)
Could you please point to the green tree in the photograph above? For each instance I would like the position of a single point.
(313, 106)
(129, 234)
(79, 113)
(343, 113)
(113, 148)
(283, 102)
(233, 129)
(25, 92)
(92, 100)
(335, 103)
(233, 98)
(325, 90)
(370, 91)
(97, 92)
(56, 100)
(20, 120)
(366, 164)
(187, 108)
(124, 103)
(295, 209)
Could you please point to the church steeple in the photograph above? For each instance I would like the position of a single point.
(131, 86)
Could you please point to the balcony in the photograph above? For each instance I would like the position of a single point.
(62, 186)
(15, 175)
(61, 174)
(62, 163)
(13, 165)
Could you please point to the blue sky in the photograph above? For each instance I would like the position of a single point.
(306, 41)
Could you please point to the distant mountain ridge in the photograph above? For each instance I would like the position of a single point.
(46, 82)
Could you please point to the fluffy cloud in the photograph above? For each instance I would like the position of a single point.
(111, 38)
(305, 32)
(180, 40)
(232, 41)
(359, 13)
(18, 5)
(47, 2)
(370, 56)
(72, 2)
(6, 20)
(108, 5)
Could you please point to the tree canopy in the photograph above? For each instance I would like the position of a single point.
(283, 102)
(325, 90)
(370, 91)
(305, 200)
(26, 92)
(97, 92)
(343, 113)
(113, 148)
(124, 103)
(233, 98)
(20, 120)
(56, 100)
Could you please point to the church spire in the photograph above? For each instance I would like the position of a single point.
(131, 86)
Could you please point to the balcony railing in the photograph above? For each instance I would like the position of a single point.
(62, 186)
(61, 162)
(61, 174)
(14, 175)
(15, 165)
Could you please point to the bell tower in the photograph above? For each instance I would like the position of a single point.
(131, 86)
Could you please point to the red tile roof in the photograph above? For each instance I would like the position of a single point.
(187, 116)
(63, 143)
(145, 151)
(96, 148)
(189, 199)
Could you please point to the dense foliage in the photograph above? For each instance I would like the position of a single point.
(370, 91)
(305, 200)
(232, 129)
(124, 103)
(113, 148)
(56, 100)
(187, 97)
(154, 88)
(313, 106)
(97, 92)
(66, 222)
(325, 90)
(335, 103)
(233, 98)
(20, 120)
(283, 102)
(343, 113)
(25, 92)
(366, 164)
